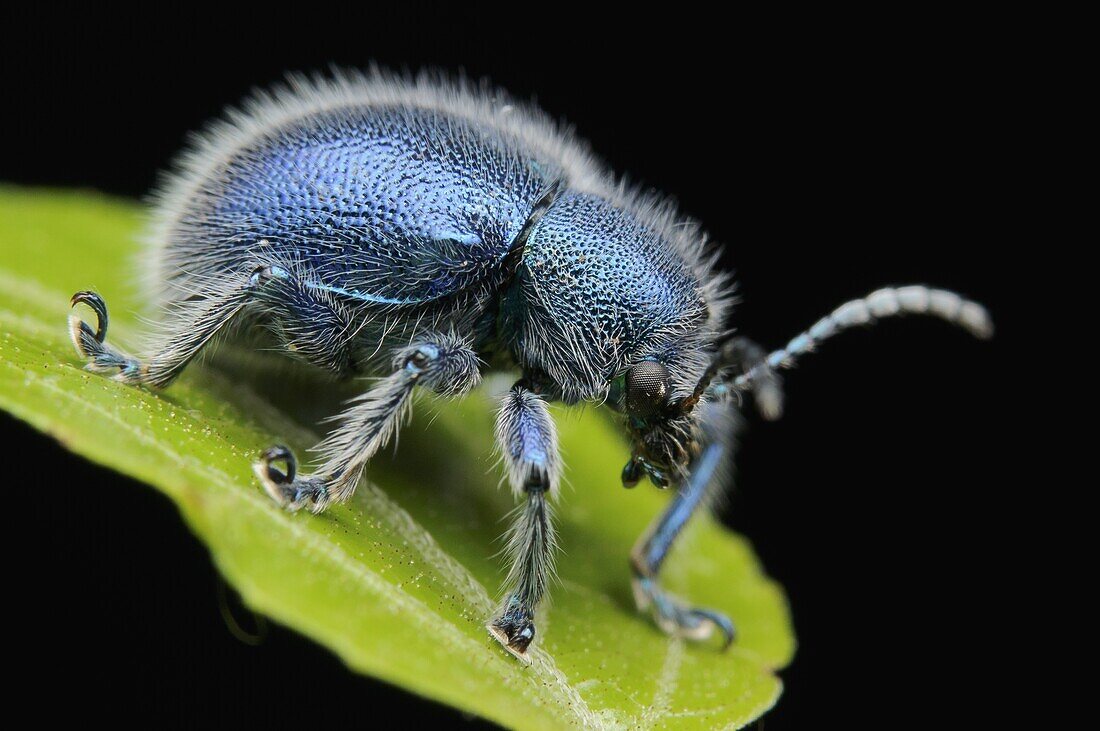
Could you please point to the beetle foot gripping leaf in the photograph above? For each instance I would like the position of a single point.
(90, 344)
(441, 362)
(514, 628)
(678, 619)
(285, 488)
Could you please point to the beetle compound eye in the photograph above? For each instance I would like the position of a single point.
(647, 388)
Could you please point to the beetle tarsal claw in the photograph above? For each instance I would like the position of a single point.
(700, 624)
(679, 620)
(99, 307)
(514, 629)
(286, 488)
(516, 649)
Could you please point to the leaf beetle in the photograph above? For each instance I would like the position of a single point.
(427, 230)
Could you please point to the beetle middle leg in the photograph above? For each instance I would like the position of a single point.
(704, 477)
(529, 445)
(444, 363)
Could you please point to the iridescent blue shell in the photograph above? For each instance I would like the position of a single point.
(403, 201)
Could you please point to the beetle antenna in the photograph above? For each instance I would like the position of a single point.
(879, 305)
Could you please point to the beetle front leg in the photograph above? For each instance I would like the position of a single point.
(745, 355)
(529, 444)
(444, 363)
(671, 614)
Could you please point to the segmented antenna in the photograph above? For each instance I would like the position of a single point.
(880, 304)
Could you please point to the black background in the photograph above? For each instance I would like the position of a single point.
(831, 153)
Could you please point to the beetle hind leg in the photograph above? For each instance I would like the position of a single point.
(194, 322)
(90, 343)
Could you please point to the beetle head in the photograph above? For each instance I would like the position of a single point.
(663, 428)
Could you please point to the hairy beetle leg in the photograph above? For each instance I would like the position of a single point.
(446, 364)
(90, 344)
(528, 443)
(286, 488)
(678, 619)
(194, 326)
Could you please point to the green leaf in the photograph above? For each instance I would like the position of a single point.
(400, 581)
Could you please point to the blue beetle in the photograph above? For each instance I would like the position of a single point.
(425, 230)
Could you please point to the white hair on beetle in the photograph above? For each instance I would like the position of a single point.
(195, 174)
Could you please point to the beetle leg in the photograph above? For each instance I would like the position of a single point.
(198, 320)
(745, 355)
(704, 477)
(529, 445)
(444, 363)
